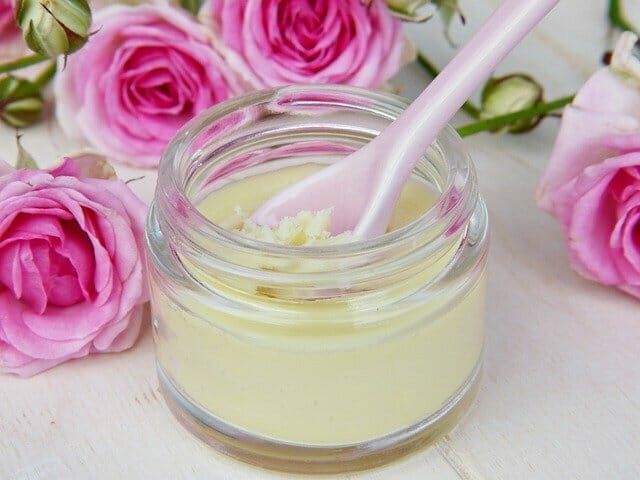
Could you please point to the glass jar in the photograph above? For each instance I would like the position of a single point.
(324, 358)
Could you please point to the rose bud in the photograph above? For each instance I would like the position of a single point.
(20, 102)
(54, 27)
(509, 94)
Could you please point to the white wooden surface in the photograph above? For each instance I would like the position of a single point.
(560, 397)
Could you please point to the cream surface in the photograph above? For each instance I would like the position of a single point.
(230, 205)
(301, 371)
(306, 228)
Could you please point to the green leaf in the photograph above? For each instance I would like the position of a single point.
(409, 10)
(191, 6)
(93, 165)
(24, 160)
(74, 15)
(449, 10)
(497, 123)
(617, 17)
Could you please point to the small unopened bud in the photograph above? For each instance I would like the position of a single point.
(510, 94)
(20, 102)
(54, 27)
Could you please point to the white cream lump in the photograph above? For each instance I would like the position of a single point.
(305, 229)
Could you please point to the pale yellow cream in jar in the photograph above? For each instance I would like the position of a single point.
(333, 370)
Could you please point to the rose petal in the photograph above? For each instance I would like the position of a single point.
(29, 205)
(77, 248)
(33, 289)
(68, 167)
(608, 93)
(5, 168)
(17, 363)
(582, 141)
(588, 235)
(284, 42)
(147, 70)
(79, 322)
(120, 335)
(14, 317)
(10, 275)
(587, 210)
(631, 289)
(631, 240)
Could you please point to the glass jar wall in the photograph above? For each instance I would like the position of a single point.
(314, 358)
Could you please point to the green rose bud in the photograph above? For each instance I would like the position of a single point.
(509, 94)
(54, 27)
(20, 102)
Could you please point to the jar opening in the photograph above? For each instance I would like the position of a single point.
(320, 124)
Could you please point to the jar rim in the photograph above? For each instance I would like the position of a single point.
(448, 208)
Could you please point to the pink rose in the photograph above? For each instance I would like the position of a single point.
(72, 272)
(11, 43)
(592, 182)
(281, 42)
(147, 70)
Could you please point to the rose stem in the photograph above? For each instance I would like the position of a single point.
(506, 120)
(617, 18)
(432, 70)
(21, 63)
(45, 76)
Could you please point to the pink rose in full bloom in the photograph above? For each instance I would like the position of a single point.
(72, 271)
(281, 42)
(592, 182)
(11, 43)
(146, 71)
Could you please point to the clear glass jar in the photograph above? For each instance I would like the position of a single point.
(324, 358)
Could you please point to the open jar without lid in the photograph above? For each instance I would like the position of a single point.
(314, 358)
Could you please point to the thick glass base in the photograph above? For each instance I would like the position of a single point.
(273, 454)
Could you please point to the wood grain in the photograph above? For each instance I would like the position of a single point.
(560, 397)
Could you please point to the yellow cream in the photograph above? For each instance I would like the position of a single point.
(327, 371)
(249, 193)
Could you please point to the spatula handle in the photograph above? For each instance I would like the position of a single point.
(403, 142)
(470, 68)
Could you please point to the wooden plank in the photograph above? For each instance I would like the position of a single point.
(560, 396)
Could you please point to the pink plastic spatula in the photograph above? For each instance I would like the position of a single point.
(363, 188)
